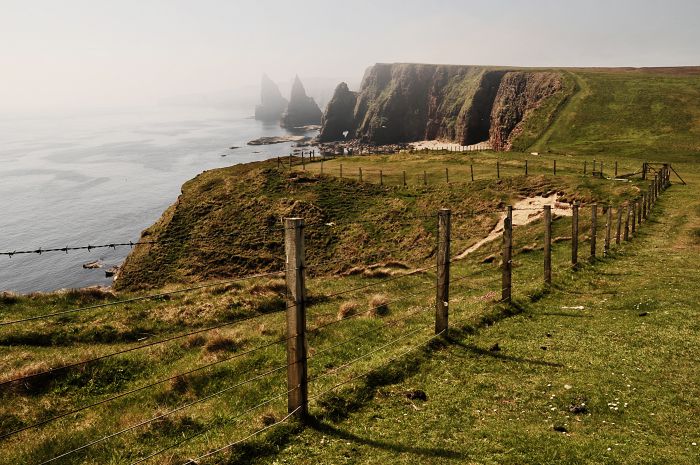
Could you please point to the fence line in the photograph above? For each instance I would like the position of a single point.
(297, 304)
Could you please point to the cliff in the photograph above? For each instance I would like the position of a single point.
(302, 109)
(463, 104)
(339, 114)
(272, 104)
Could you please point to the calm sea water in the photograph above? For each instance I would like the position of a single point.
(103, 178)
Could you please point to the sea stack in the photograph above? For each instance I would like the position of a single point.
(302, 109)
(272, 104)
(339, 120)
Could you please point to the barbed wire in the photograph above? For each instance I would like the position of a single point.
(210, 427)
(170, 412)
(142, 346)
(142, 388)
(137, 299)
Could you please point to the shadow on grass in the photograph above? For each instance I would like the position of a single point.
(500, 356)
(330, 430)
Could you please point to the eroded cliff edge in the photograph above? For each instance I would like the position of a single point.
(464, 104)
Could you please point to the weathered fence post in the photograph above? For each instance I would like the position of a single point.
(381, 178)
(278, 162)
(425, 178)
(404, 179)
(360, 171)
(608, 230)
(321, 165)
(507, 256)
(290, 162)
(447, 175)
(525, 167)
(555, 167)
(498, 169)
(594, 229)
(548, 244)
(627, 224)
(341, 171)
(644, 206)
(644, 171)
(619, 225)
(442, 299)
(601, 170)
(615, 169)
(297, 397)
(584, 166)
(633, 205)
(574, 234)
(639, 212)
(471, 170)
(303, 162)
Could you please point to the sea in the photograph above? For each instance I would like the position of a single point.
(103, 177)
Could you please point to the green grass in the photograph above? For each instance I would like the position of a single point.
(612, 382)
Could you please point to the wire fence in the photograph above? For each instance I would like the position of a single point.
(410, 325)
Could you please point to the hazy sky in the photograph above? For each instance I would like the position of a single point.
(76, 53)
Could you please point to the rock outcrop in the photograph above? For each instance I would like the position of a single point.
(338, 121)
(302, 109)
(272, 104)
(519, 94)
(399, 103)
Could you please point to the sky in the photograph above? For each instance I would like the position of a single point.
(99, 53)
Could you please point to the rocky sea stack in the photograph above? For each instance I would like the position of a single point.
(400, 103)
(302, 109)
(339, 119)
(272, 104)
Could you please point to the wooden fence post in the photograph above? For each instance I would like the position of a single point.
(619, 225)
(278, 162)
(548, 244)
(627, 224)
(303, 162)
(608, 230)
(574, 234)
(644, 171)
(615, 169)
(442, 299)
(297, 397)
(341, 171)
(447, 175)
(425, 178)
(290, 162)
(525, 167)
(506, 280)
(639, 212)
(381, 178)
(594, 229)
(601, 170)
(644, 206)
(471, 170)
(404, 179)
(498, 169)
(584, 166)
(555, 167)
(360, 171)
(633, 204)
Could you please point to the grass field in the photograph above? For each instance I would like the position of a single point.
(599, 368)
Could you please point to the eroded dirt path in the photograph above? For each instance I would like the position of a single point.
(524, 212)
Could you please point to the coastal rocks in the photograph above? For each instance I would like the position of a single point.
(278, 140)
(272, 104)
(338, 121)
(519, 94)
(302, 109)
(93, 265)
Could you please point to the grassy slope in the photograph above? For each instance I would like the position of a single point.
(482, 407)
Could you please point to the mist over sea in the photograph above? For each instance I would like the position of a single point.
(103, 178)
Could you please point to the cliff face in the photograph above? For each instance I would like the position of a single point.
(302, 109)
(464, 104)
(340, 114)
(519, 95)
(272, 103)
